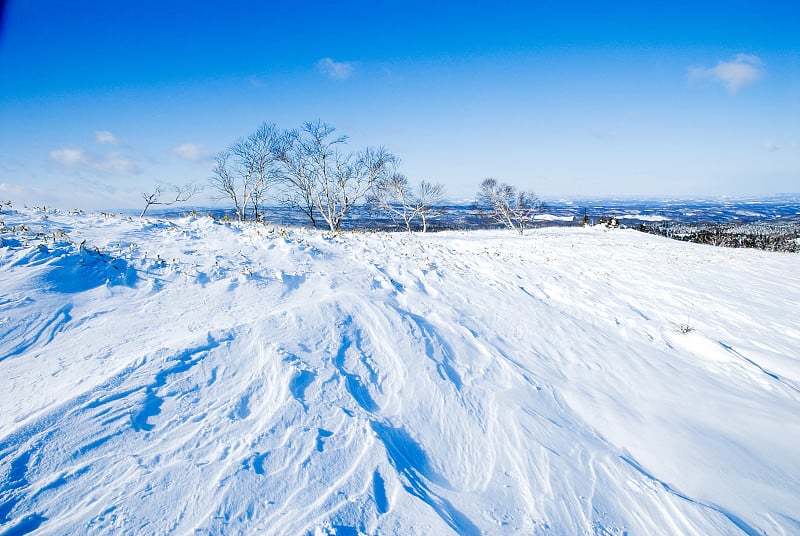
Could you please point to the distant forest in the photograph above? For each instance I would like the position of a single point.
(767, 235)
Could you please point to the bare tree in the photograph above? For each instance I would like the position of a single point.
(505, 205)
(246, 170)
(223, 181)
(322, 179)
(299, 168)
(428, 198)
(179, 194)
(394, 195)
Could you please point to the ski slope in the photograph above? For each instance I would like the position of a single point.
(197, 377)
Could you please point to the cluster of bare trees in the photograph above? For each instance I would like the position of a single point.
(322, 179)
(504, 204)
(245, 171)
(311, 170)
(403, 202)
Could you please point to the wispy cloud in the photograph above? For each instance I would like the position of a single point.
(68, 157)
(742, 70)
(191, 151)
(336, 70)
(7, 187)
(104, 136)
(772, 146)
(76, 160)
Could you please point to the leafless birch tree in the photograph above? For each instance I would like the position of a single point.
(429, 196)
(246, 170)
(324, 181)
(395, 195)
(507, 206)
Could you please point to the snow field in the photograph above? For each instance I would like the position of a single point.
(191, 376)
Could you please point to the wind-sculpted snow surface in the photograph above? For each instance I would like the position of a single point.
(191, 376)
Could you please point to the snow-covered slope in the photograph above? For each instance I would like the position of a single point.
(197, 377)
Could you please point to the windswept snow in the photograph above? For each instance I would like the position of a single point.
(192, 376)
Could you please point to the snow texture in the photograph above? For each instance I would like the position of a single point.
(189, 376)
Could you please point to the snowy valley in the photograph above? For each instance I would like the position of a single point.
(191, 376)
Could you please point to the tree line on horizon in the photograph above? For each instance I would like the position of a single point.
(311, 169)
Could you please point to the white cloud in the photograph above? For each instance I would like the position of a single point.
(75, 160)
(771, 146)
(191, 151)
(104, 136)
(336, 70)
(116, 164)
(742, 70)
(68, 158)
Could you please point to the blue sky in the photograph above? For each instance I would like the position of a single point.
(100, 101)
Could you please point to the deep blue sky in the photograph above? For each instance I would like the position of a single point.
(102, 100)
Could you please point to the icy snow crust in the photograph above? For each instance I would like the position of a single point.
(193, 376)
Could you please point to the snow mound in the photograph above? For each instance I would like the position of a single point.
(193, 376)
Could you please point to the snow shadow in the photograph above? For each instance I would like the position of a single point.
(379, 492)
(435, 346)
(151, 406)
(11, 492)
(15, 480)
(737, 521)
(42, 334)
(358, 391)
(411, 462)
(26, 525)
(764, 371)
(298, 385)
(87, 269)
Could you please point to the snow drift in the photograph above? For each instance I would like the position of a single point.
(192, 376)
